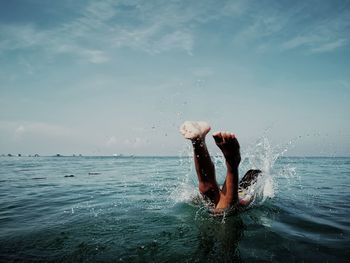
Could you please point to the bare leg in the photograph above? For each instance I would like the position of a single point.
(229, 146)
(196, 132)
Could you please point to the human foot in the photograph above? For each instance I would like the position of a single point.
(194, 130)
(229, 146)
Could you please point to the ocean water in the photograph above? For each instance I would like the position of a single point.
(142, 209)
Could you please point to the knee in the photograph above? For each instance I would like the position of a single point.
(205, 187)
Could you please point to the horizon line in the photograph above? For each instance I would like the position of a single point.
(155, 156)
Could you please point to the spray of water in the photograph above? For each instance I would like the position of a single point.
(260, 155)
(186, 190)
(263, 157)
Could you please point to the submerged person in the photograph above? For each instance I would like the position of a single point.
(231, 196)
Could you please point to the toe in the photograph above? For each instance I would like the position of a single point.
(226, 136)
(232, 137)
(218, 137)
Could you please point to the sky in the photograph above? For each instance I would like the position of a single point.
(119, 77)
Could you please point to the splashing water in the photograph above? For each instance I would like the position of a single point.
(260, 155)
(186, 190)
(263, 156)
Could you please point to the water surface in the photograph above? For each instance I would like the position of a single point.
(140, 209)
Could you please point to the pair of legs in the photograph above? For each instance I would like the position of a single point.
(227, 196)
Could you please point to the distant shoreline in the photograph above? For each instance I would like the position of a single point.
(142, 156)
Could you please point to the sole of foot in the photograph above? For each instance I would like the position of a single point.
(229, 146)
(194, 130)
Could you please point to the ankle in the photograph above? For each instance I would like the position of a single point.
(232, 163)
(198, 142)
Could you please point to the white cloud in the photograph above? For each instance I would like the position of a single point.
(176, 40)
(20, 130)
(314, 43)
(321, 35)
(93, 33)
(299, 41)
(136, 142)
(76, 37)
(93, 56)
(111, 141)
(263, 26)
(44, 138)
(101, 26)
(272, 27)
(202, 72)
(96, 56)
(157, 26)
(330, 46)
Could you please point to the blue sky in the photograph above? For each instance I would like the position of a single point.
(104, 77)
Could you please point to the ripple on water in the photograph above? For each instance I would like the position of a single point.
(141, 209)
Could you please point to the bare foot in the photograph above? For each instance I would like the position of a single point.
(194, 130)
(229, 146)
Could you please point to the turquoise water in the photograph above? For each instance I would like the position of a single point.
(141, 209)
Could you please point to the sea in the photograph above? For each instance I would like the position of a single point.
(148, 209)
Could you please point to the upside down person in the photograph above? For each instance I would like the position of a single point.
(226, 198)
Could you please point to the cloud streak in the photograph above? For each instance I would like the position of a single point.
(151, 26)
(321, 35)
(95, 32)
(156, 27)
(271, 28)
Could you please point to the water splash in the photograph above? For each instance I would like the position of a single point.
(260, 155)
(186, 190)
